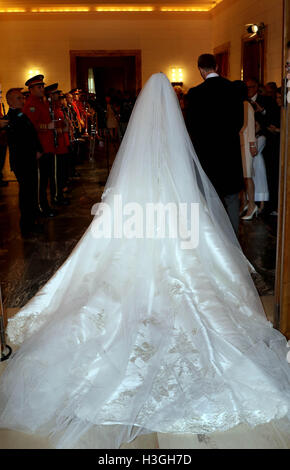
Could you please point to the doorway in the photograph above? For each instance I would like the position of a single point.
(100, 71)
(253, 58)
(222, 57)
(282, 287)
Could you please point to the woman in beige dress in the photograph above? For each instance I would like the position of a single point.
(249, 151)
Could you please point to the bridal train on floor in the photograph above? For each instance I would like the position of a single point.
(137, 335)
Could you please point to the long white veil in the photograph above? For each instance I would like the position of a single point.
(138, 335)
(157, 162)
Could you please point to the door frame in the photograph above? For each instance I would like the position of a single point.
(106, 53)
(247, 38)
(226, 47)
(282, 286)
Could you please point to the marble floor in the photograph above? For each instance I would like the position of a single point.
(26, 264)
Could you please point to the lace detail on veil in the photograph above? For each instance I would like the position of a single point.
(22, 326)
(209, 403)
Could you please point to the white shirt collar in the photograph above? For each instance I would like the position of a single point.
(254, 98)
(213, 74)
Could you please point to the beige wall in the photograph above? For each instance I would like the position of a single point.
(43, 42)
(45, 45)
(228, 25)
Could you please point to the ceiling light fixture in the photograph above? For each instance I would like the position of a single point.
(187, 9)
(124, 9)
(201, 7)
(12, 10)
(191, 8)
(60, 10)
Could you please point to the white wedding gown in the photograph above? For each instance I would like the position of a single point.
(139, 335)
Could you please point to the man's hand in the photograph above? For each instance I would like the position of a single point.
(259, 108)
(273, 129)
(38, 155)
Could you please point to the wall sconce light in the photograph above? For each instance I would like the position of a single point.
(176, 76)
(255, 29)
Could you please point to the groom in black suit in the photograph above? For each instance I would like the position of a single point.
(214, 117)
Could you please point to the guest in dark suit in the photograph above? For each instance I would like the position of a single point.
(24, 149)
(263, 105)
(214, 117)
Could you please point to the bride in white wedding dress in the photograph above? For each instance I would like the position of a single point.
(137, 335)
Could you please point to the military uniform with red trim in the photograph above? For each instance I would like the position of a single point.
(78, 105)
(62, 151)
(62, 131)
(80, 149)
(37, 110)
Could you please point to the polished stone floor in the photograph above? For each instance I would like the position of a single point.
(258, 239)
(26, 264)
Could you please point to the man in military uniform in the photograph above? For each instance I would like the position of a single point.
(74, 115)
(76, 122)
(24, 151)
(37, 110)
(61, 142)
(78, 105)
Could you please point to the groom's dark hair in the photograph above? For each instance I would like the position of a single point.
(207, 62)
